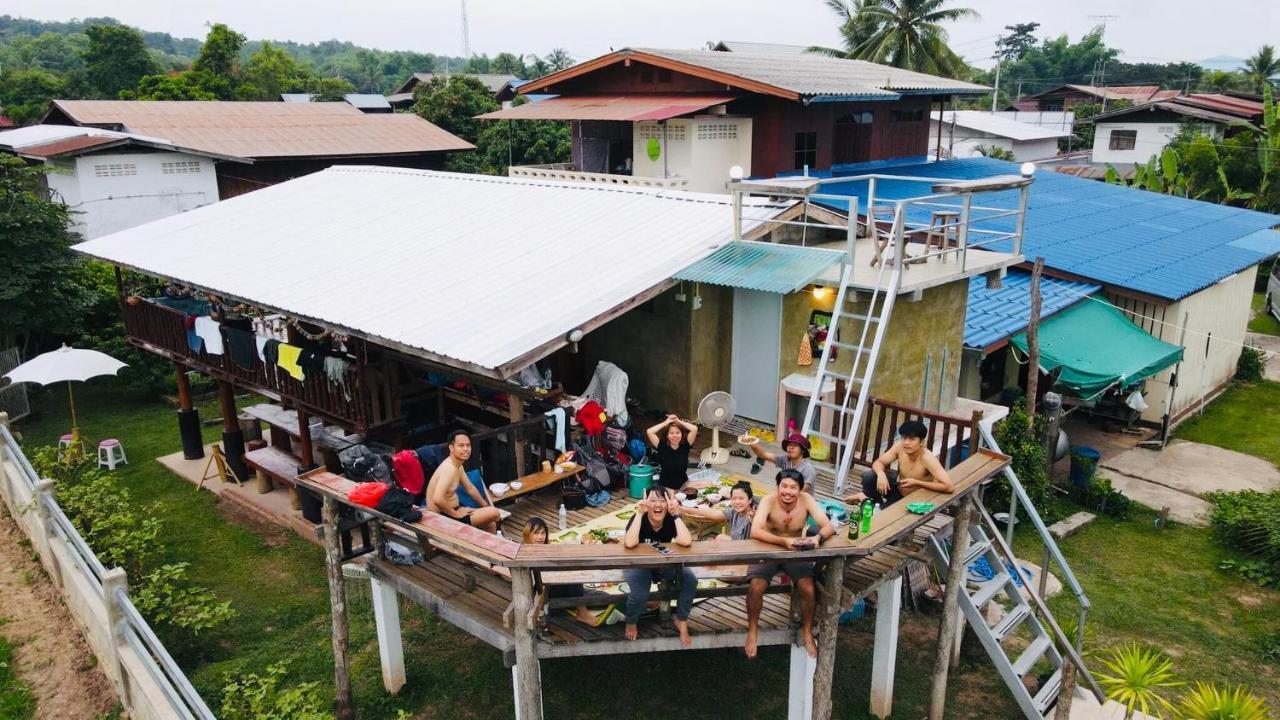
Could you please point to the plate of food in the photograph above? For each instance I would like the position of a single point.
(689, 503)
(748, 439)
(626, 514)
(569, 537)
(615, 535)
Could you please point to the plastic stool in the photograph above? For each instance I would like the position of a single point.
(65, 441)
(110, 452)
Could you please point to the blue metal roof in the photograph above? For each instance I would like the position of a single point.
(994, 316)
(761, 266)
(1161, 245)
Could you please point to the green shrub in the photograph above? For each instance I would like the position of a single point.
(125, 534)
(1100, 496)
(259, 697)
(1210, 702)
(1022, 440)
(1249, 521)
(1250, 365)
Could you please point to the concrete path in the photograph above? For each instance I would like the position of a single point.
(1271, 344)
(1177, 476)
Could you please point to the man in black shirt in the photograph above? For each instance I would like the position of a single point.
(658, 520)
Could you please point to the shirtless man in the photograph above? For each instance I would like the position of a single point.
(442, 489)
(917, 468)
(781, 520)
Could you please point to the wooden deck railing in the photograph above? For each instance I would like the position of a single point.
(951, 438)
(161, 330)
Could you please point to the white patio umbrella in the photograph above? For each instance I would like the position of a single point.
(66, 363)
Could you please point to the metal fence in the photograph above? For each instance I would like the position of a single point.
(13, 398)
(126, 628)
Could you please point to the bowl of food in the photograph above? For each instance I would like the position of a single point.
(499, 489)
(689, 503)
(516, 485)
(714, 498)
(616, 535)
(681, 497)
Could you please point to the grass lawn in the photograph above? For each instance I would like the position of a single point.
(1264, 322)
(16, 700)
(1163, 588)
(1245, 418)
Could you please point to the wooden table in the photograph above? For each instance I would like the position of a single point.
(283, 425)
(537, 481)
(273, 464)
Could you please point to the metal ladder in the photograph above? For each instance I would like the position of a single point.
(1046, 637)
(865, 354)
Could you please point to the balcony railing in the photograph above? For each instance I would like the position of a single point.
(161, 330)
(564, 172)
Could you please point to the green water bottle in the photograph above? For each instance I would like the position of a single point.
(852, 515)
(868, 509)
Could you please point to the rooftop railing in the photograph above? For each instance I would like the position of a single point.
(565, 172)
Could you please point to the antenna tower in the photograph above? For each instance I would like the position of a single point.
(466, 33)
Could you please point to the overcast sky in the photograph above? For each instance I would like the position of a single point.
(1147, 30)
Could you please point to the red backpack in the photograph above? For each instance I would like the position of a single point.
(368, 494)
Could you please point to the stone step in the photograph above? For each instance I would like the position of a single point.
(1067, 527)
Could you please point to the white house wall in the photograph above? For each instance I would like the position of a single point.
(1032, 150)
(118, 191)
(1217, 319)
(964, 143)
(1151, 139)
(701, 150)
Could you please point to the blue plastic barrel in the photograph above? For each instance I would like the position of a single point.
(1084, 461)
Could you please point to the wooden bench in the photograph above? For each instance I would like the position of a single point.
(271, 465)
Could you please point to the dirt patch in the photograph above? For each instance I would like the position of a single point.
(1249, 601)
(50, 655)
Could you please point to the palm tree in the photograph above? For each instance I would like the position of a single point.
(903, 33)
(1262, 66)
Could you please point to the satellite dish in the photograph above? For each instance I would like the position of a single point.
(716, 410)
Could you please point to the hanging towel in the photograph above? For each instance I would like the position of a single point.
(311, 358)
(608, 386)
(208, 330)
(271, 353)
(193, 340)
(558, 417)
(240, 346)
(288, 360)
(335, 369)
(261, 342)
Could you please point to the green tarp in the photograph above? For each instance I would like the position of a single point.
(1097, 347)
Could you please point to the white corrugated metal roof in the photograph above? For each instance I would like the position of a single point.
(471, 270)
(995, 125)
(30, 135)
(816, 74)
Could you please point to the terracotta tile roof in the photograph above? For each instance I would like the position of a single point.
(267, 129)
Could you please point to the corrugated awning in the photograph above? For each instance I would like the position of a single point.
(761, 266)
(1097, 348)
(631, 108)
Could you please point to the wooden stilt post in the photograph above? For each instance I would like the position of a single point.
(828, 626)
(343, 707)
(1033, 339)
(1062, 711)
(885, 656)
(386, 618)
(950, 608)
(800, 692)
(516, 412)
(527, 675)
(232, 438)
(188, 417)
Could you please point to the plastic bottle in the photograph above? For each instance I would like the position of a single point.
(564, 517)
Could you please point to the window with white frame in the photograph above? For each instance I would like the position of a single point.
(1123, 140)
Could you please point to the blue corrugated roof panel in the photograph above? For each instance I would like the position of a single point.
(761, 266)
(997, 315)
(1160, 245)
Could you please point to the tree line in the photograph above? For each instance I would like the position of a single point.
(99, 58)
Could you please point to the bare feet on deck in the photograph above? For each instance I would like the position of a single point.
(630, 633)
(810, 645)
(683, 627)
(751, 644)
(586, 617)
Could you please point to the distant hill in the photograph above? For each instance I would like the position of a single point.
(1225, 63)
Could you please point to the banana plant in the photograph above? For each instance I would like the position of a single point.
(1268, 147)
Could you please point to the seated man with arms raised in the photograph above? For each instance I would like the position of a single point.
(781, 520)
(442, 489)
(917, 468)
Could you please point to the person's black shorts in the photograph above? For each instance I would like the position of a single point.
(465, 519)
(795, 570)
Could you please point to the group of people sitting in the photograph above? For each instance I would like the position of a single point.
(789, 517)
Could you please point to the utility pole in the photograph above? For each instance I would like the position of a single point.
(1102, 72)
(995, 96)
(1033, 339)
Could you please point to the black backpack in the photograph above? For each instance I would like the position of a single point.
(596, 476)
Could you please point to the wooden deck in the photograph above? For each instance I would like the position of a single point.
(466, 580)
